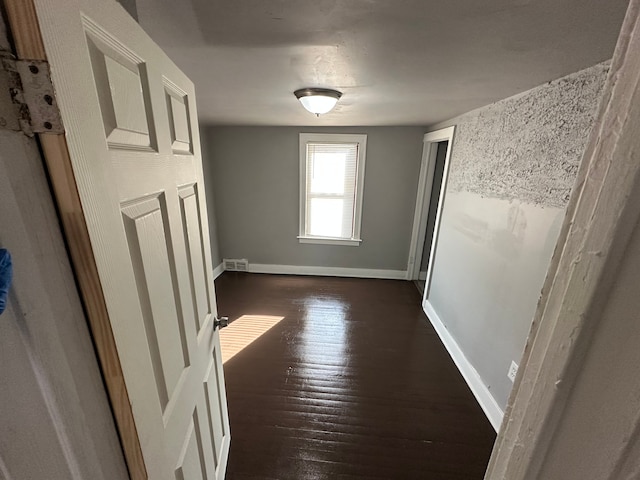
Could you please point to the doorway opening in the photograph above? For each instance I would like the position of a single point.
(429, 202)
(431, 208)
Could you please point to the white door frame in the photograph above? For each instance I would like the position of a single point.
(602, 214)
(27, 33)
(53, 399)
(29, 45)
(423, 199)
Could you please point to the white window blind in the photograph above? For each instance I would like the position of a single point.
(331, 188)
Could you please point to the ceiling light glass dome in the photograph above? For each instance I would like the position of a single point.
(318, 100)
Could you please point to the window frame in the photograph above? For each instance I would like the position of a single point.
(361, 140)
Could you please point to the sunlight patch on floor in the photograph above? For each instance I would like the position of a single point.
(243, 331)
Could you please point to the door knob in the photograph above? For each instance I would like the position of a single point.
(220, 322)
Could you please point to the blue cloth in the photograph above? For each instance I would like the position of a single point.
(6, 274)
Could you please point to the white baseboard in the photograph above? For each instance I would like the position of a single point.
(327, 271)
(491, 408)
(218, 271)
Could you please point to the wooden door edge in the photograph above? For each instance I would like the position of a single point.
(23, 23)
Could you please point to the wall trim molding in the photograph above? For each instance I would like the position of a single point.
(218, 270)
(489, 405)
(327, 271)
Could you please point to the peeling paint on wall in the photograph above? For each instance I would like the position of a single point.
(528, 147)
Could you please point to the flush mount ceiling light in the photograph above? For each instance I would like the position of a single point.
(318, 100)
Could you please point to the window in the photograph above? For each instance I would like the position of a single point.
(331, 181)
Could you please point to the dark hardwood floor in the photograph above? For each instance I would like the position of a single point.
(352, 382)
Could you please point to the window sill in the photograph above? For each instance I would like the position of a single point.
(352, 242)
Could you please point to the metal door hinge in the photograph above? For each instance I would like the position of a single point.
(27, 99)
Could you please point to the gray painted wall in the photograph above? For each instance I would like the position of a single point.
(131, 7)
(512, 168)
(252, 173)
(207, 170)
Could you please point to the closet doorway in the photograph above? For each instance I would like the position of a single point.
(429, 202)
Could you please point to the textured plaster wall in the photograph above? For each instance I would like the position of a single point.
(512, 168)
(528, 147)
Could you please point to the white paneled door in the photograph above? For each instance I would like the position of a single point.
(130, 120)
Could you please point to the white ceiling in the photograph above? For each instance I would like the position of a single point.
(397, 62)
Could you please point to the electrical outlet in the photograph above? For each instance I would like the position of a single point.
(513, 369)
